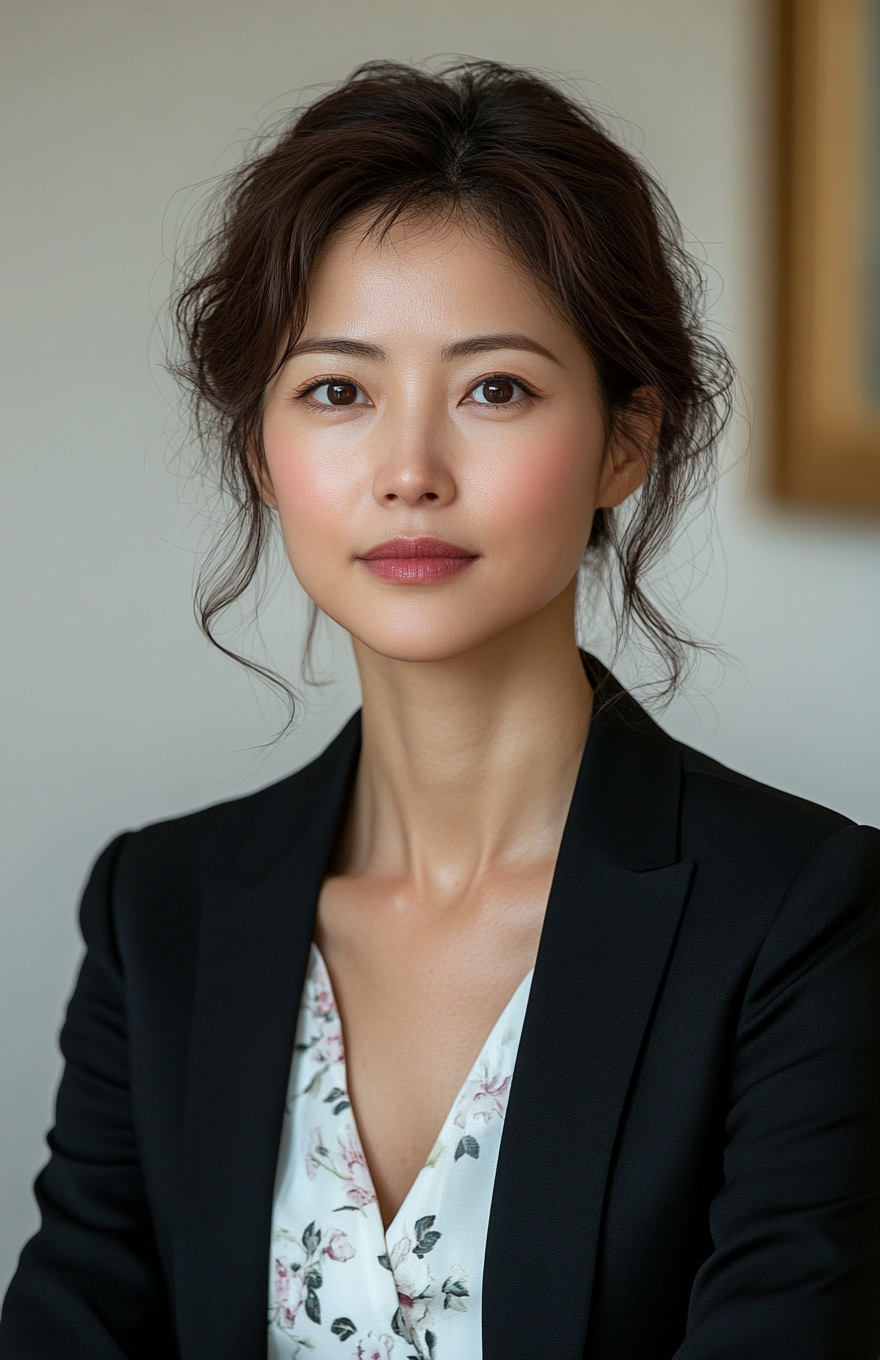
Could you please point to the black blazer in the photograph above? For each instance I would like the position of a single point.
(690, 1155)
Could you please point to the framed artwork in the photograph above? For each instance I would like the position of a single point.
(828, 410)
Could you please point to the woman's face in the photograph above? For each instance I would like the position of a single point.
(436, 445)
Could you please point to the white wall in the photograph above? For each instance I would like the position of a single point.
(115, 712)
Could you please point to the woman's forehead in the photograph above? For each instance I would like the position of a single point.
(436, 273)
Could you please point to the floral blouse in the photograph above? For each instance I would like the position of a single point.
(340, 1286)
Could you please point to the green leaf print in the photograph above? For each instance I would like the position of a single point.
(467, 1147)
(455, 1289)
(425, 1241)
(314, 1085)
(313, 1306)
(340, 1098)
(436, 1153)
(399, 1327)
(343, 1327)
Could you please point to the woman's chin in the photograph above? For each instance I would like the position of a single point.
(426, 645)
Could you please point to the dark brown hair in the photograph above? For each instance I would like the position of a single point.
(504, 148)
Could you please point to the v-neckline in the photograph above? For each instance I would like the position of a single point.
(511, 1006)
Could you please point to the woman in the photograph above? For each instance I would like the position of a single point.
(445, 334)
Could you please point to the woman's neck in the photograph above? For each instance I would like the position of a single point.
(468, 765)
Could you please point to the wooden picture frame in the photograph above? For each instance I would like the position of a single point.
(828, 408)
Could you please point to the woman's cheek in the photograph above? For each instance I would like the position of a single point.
(315, 503)
(546, 495)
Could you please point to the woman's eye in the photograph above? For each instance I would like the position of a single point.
(497, 392)
(337, 392)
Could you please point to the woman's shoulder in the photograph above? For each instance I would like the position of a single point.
(712, 786)
(722, 814)
(724, 818)
(759, 833)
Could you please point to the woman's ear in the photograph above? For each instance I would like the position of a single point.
(631, 448)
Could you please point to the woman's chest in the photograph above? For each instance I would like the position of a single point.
(417, 997)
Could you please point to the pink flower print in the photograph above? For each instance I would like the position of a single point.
(338, 1247)
(282, 1280)
(288, 1292)
(358, 1185)
(323, 1003)
(373, 1347)
(491, 1098)
(484, 1096)
(415, 1288)
(332, 1050)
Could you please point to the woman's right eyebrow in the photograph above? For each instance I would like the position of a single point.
(333, 344)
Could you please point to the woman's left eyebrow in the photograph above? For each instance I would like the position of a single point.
(479, 344)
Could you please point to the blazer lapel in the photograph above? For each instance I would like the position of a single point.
(255, 933)
(612, 917)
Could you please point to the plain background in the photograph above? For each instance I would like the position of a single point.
(116, 115)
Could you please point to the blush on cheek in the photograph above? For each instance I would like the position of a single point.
(549, 495)
(315, 504)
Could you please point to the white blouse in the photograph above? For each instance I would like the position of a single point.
(342, 1287)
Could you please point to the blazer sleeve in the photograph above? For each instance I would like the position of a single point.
(794, 1273)
(89, 1284)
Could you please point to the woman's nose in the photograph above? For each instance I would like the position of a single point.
(414, 472)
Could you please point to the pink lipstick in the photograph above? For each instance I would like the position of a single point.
(417, 561)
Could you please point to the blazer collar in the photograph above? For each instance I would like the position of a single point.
(612, 916)
(254, 937)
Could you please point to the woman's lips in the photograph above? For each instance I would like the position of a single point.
(417, 561)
